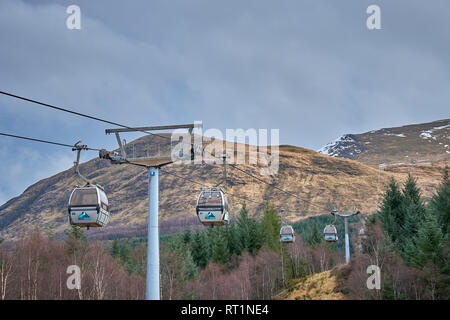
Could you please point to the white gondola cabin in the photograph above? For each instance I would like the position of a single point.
(88, 207)
(287, 234)
(212, 207)
(330, 233)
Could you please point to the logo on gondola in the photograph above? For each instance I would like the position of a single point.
(84, 216)
(210, 216)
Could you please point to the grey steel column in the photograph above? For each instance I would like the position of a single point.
(152, 282)
(347, 242)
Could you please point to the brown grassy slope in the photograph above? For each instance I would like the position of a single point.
(318, 180)
(318, 286)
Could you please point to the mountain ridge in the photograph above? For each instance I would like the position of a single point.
(415, 142)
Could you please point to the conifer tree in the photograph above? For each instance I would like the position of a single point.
(390, 214)
(125, 254)
(189, 266)
(440, 203)
(76, 233)
(76, 239)
(256, 237)
(271, 227)
(235, 246)
(430, 244)
(115, 250)
(243, 224)
(200, 249)
(313, 235)
(220, 252)
(412, 204)
(187, 236)
(412, 211)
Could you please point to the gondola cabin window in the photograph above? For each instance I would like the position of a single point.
(84, 197)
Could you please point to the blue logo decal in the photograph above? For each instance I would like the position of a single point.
(210, 216)
(84, 216)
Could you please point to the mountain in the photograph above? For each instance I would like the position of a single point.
(315, 183)
(420, 143)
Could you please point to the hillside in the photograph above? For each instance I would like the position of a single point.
(421, 143)
(320, 181)
(317, 286)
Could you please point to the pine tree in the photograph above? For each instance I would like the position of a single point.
(189, 266)
(412, 204)
(187, 236)
(125, 253)
(115, 250)
(440, 203)
(256, 237)
(410, 191)
(76, 239)
(200, 249)
(271, 227)
(391, 216)
(412, 210)
(430, 244)
(76, 233)
(243, 224)
(220, 252)
(313, 236)
(235, 246)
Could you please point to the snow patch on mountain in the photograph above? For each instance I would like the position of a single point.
(395, 134)
(344, 146)
(428, 134)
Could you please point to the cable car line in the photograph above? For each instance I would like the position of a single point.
(74, 112)
(259, 179)
(275, 187)
(202, 185)
(43, 141)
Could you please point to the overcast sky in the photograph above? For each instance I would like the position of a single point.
(309, 68)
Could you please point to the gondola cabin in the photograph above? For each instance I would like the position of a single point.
(287, 234)
(88, 207)
(212, 207)
(362, 234)
(330, 233)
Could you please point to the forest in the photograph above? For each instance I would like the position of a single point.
(407, 238)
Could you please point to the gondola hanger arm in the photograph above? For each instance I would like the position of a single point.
(77, 147)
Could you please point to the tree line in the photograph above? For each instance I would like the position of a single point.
(409, 240)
